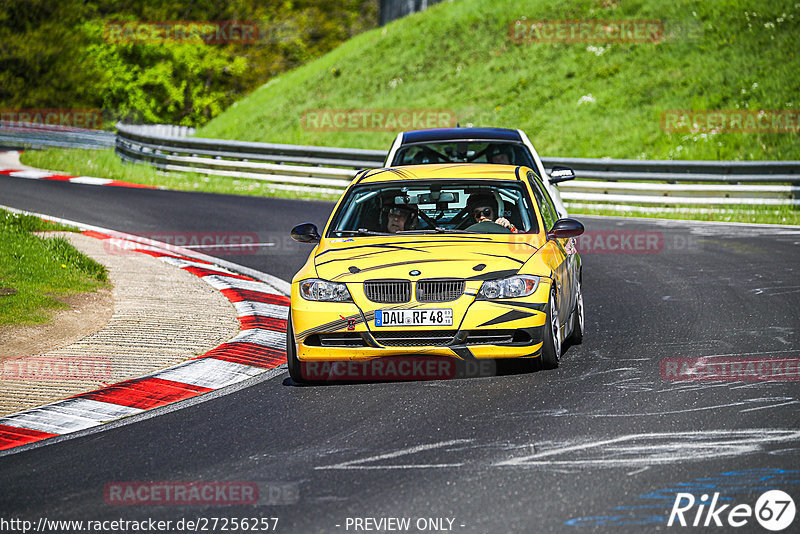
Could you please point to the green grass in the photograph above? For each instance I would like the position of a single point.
(34, 270)
(105, 164)
(718, 54)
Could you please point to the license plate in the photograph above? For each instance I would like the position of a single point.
(427, 317)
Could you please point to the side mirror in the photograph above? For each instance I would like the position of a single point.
(561, 174)
(306, 233)
(566, 228)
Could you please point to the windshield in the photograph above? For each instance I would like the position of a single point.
(464, 152)
(433, 207)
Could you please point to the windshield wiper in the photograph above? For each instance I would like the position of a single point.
(360, 231)
(438, 230)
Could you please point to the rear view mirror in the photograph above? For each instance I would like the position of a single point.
(561, 174)
(306, 233)
(434, 197)
(566, 228)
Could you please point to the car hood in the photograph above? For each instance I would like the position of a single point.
(480, 257)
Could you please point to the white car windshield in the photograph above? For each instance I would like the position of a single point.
(464, 152)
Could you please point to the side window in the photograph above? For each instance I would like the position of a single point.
(544, 202)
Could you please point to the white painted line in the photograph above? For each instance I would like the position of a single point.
(88, 180)
(222, 282)
(96, 410)
(81, 416)
(209, 373)
(260, 336)
(261, 309)
(50, 419)
(268, 374)
(33, 175)
(181, 263)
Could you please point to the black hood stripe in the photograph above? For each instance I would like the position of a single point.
(502, 256)
(493, 275)
(373, 245)
(509, 316)
(529, 305)
(369, 254)
(387, 265)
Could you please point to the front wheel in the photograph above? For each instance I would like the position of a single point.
(551, 345)
(291, 354)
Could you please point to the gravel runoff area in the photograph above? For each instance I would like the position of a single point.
(162, 315)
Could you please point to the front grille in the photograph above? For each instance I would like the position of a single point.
(415, 338)
(439, 290)
(388, 291)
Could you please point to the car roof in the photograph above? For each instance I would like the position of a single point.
(460, 134)
(443, 171)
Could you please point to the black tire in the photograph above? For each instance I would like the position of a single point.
(551, 346)
(578, 320)
(291, 354)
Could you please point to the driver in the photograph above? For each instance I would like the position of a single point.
(398, 218)
(482, 207)
(502, 154)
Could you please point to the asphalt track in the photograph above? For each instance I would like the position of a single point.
(604, 443)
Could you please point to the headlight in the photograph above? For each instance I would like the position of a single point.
(322, 290)
(511, 287)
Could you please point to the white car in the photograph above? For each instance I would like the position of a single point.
(476, 145)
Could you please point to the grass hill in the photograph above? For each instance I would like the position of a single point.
(580, 100)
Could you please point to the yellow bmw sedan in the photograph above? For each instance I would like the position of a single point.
(428, 263)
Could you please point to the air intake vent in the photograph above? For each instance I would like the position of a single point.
(388, 291)
(415, 338)
(439, 290)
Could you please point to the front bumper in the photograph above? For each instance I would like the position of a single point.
(482, 329)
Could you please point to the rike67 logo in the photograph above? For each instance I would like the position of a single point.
(774, 510)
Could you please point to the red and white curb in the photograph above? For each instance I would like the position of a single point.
(259, 347)
(34, 174)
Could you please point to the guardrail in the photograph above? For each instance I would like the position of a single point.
(33, 135)
(287, 167)
(330, 169)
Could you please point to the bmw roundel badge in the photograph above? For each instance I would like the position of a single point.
(414, 273)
